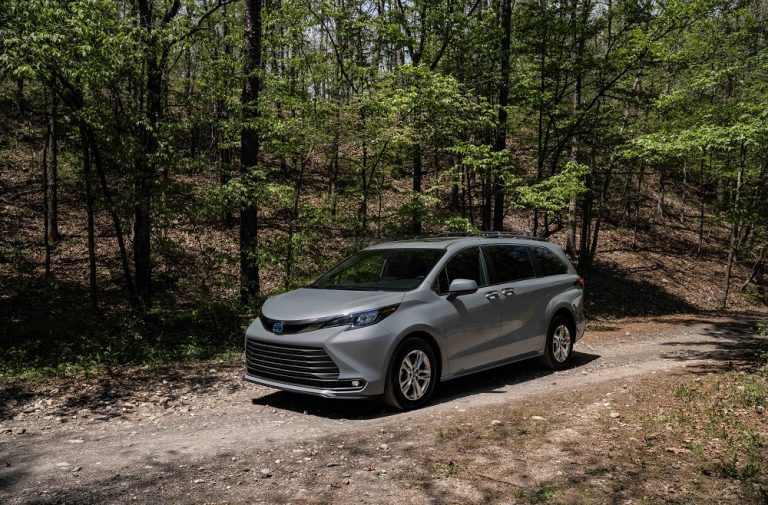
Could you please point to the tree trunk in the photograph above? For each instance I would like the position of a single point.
(756, 269)
(90, 224)
(455, 197)
(225, 164)
(586, 225)
(188, 93)
(570, 235)
(249, 153)
(20, 97)
(683, 192)
(107, 194)
(662, 190)
(379, 220)
(46, 236)
(145, 164)
(701, 207)
(570, 239)
(625, 197)
(225, 153)
(487, 191)
(51, 173)
(734, 229)
(142, 225)
(637, 204)
(541, 132)
(469, 204)
(721, 190)
(607, 179)
(362, 210)
(417, 176)
(729, 267)
(501, 129)
(334, 182)
(292, 226)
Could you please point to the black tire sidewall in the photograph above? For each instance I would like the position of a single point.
(549, 356)
(393, 395)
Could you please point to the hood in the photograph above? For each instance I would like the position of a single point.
(309, 303)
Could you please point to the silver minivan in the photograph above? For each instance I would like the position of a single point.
(397, 318)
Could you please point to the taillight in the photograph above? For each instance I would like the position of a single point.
(579, 283)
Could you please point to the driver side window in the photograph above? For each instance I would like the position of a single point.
(465, 264)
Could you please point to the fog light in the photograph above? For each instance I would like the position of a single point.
(355, 384)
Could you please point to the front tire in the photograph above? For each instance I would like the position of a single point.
(412, 375)
(559, 346)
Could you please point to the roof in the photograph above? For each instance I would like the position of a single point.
(442, 242)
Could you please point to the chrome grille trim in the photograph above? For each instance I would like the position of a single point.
(303, 365)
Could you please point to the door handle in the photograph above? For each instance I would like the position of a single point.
(508, 291)
(492, 295)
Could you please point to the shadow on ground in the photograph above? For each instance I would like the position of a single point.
(731, 343)
(722, 344)
(611, 293)
(488, 382)
(165, 482)
(101, 393)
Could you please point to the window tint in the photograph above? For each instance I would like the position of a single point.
(549, 262)
(465, 265)
(509, 263)
(381, 269)
(441, 282)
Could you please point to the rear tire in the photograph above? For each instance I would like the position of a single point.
(412, 375)
(559, 347)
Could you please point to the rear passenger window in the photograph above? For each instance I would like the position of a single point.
(548, 261)
(509, 263)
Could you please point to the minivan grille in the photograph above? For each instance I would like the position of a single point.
(289, 328)
(307, 366)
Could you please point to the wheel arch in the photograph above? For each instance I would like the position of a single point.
(429, 339)
(566, 313)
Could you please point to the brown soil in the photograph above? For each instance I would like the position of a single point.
(667, 410)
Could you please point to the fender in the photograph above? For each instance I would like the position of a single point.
(433, 332)
(571, 301)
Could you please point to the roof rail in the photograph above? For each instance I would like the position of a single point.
(510, 234)
(491, 234)
(454, 234)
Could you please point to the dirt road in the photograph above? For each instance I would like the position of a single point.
(198, 434)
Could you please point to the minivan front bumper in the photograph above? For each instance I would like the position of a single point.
(357, 393)
(326, 362)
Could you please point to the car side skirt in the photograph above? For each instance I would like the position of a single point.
(497, 364)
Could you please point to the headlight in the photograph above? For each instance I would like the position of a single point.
(362, 319)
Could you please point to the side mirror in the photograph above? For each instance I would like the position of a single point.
(462, 286)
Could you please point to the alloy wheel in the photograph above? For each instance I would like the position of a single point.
(415, 374)
(561, 343)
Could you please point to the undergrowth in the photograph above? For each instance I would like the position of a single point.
(62, 344)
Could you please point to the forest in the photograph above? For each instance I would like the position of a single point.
(166, 165)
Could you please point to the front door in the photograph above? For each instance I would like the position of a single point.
(471, 321)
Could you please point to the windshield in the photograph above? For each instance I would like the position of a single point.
(381, 269)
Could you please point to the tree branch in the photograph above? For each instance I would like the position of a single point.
(339, 59)
(448, 38)
(199, 23)
(171, 12)
(407, 30)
